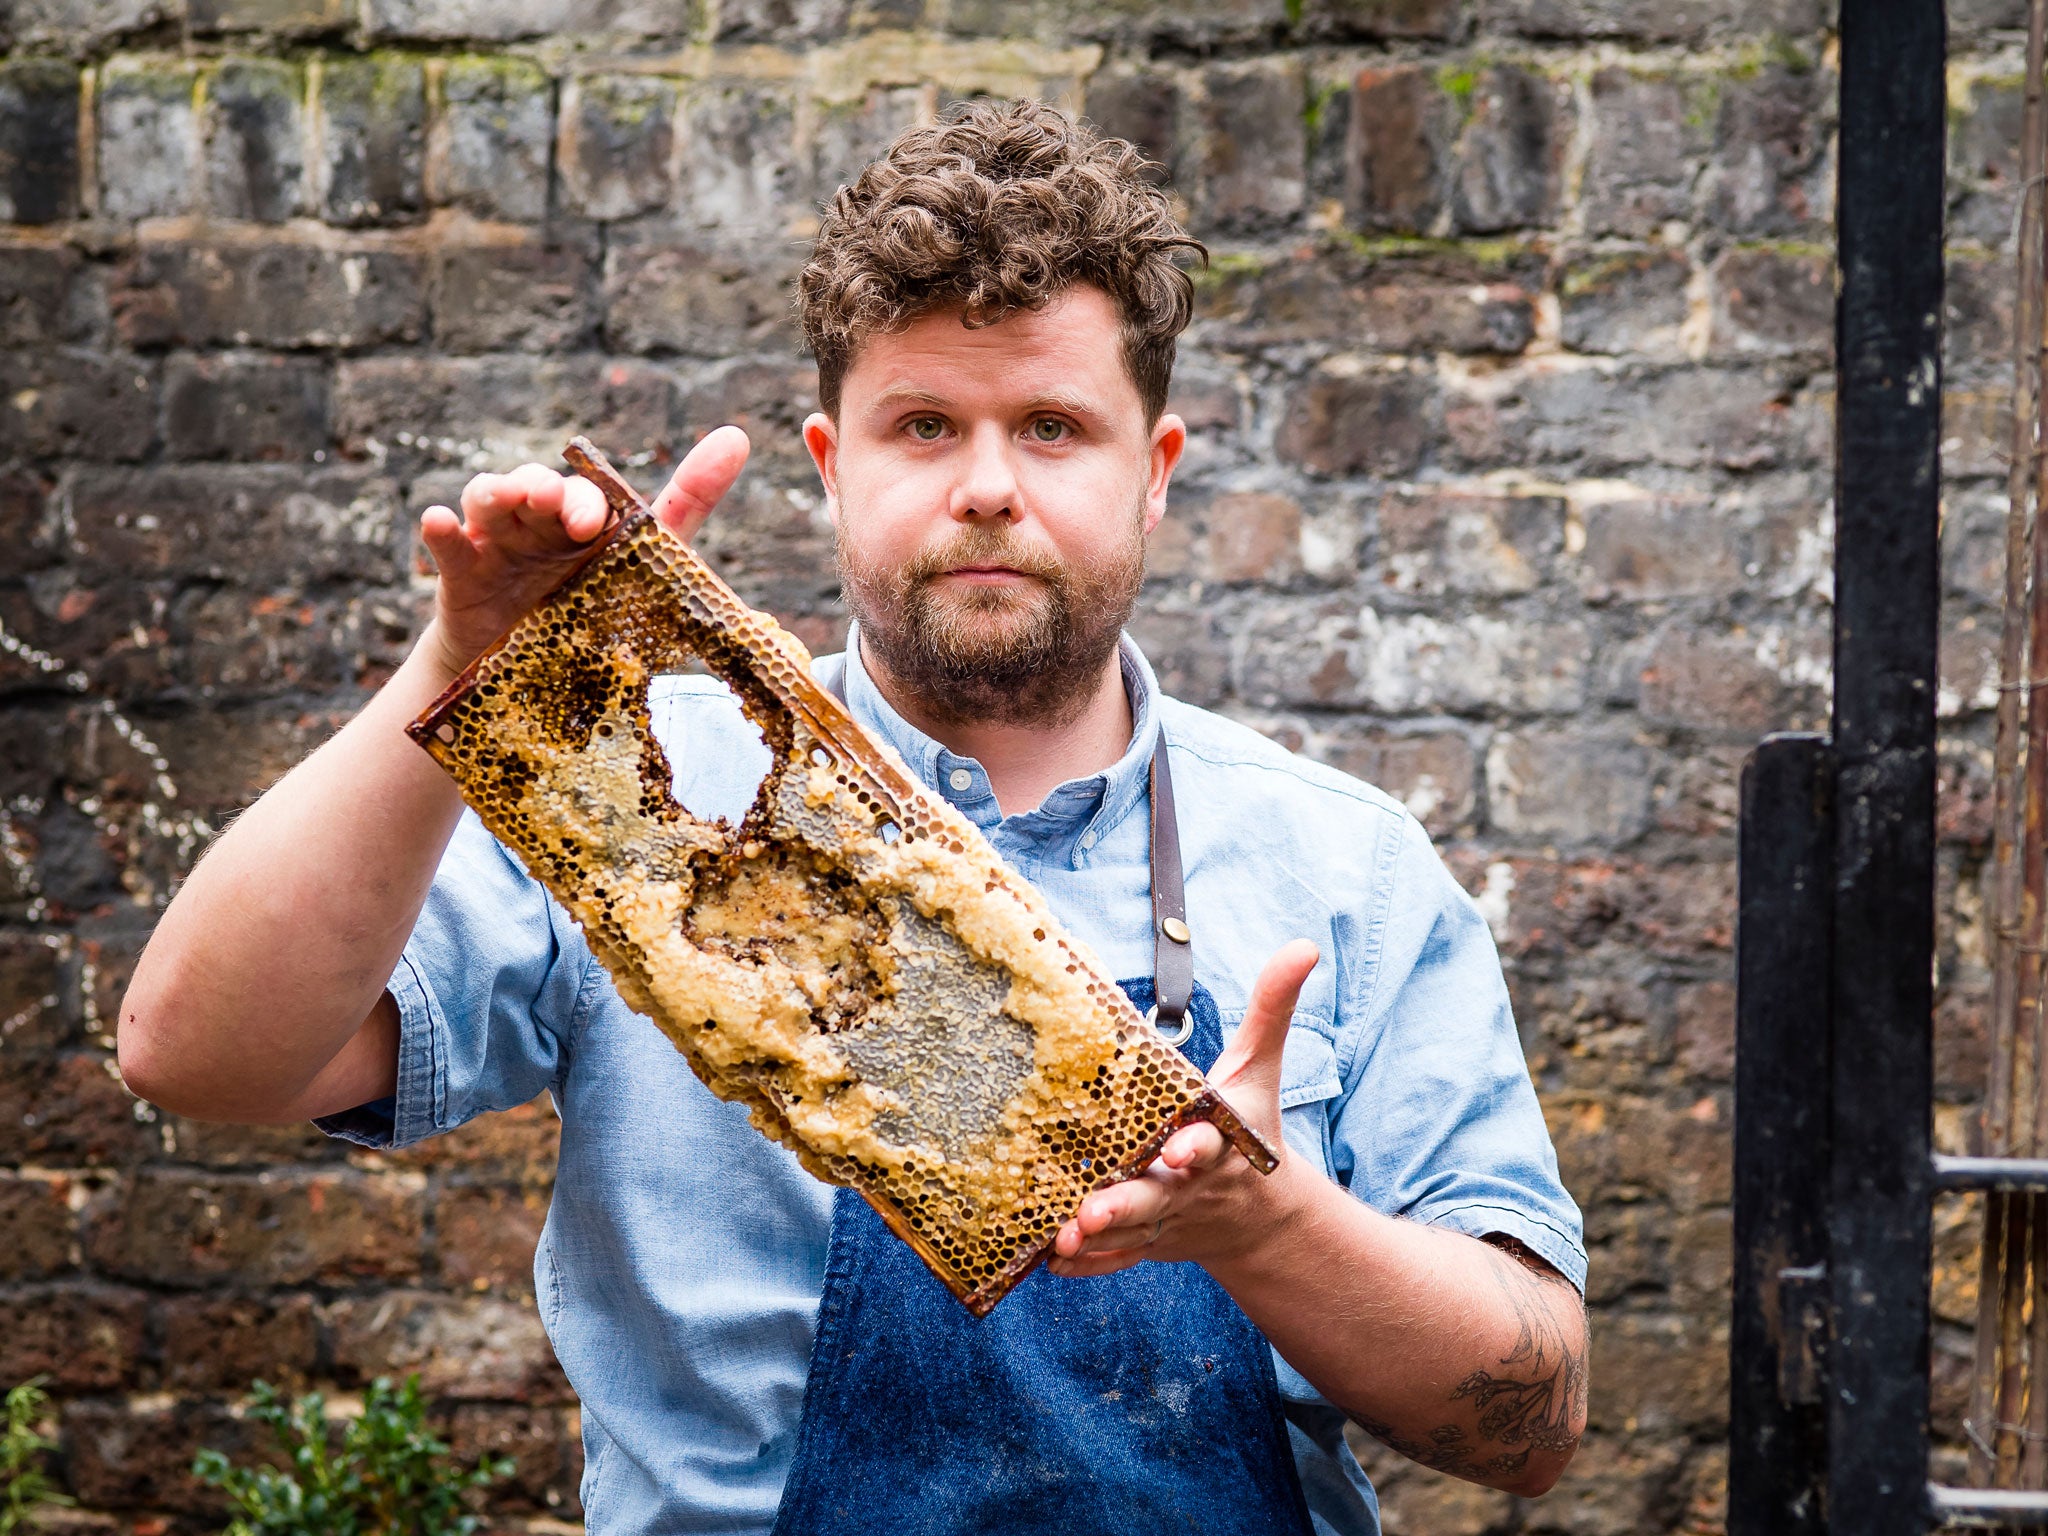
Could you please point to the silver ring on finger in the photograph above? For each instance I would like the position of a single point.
(1155, 1232)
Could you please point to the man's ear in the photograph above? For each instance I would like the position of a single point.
(1169, 442)
(821, 436)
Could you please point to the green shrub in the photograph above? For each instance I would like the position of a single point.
(386, 1475)
(23, 1485)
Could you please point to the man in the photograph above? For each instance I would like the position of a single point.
(993, 306)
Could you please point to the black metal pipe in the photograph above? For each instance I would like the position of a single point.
(2016, 1174)
(2004, 1509)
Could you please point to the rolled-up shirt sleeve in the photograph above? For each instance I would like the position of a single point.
(487, 991)
(1438, 1121)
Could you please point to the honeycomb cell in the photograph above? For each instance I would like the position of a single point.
(852, 962)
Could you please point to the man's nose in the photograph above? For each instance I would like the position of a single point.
(987, 486)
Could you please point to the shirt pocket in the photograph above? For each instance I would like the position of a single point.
(1308, 1081)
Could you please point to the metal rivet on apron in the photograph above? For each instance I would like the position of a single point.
(1175, 930)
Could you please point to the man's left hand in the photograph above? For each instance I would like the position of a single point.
(1200, 1199)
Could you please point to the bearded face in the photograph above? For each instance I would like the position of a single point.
(1017, 649)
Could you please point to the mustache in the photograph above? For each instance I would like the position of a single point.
(982, 546)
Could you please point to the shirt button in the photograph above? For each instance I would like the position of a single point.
(1087, 839)
(960, 779)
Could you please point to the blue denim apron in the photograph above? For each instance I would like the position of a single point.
(1123, 1405)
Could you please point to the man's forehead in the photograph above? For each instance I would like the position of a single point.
(1068, 355)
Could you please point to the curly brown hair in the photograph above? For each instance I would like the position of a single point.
(997, 207)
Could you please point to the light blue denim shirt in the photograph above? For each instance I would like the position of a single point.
(681, 1265)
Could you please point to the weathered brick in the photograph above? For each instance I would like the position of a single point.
(1705, 1030)
(221, 1343)
(254, 159)
(148, 152)
(85, 1338)
(119, 1456)
(1774, 302)
(1186, 651)
(82, 24)
(1725, 682)
(785, 20)
(76, 403)
(262, 526)
(547, 1456)
(516, 1145)
(1568, 787)
(1741, 419)
(48, 295)
(1510, 171)
(1984, 159)
(178, 1228)
(536, 298)
(490, 149)
(1433, 541)
(1659, 1373)
(69, 1111)
(1634, 303)
(1432, 772)
(35, 1230)
(1374, 423)
(1684, 21)
(1337, 655)
(491, 21)
(514, 403)
(1243, 181)
(1397, 160)
(291, 18)
(463, 1347)
(1618, 1485)
(1142, 107)
(1650, 548)
(1650, 134)
(1396, 302)
(1769, 174)
(38, 141)
(737, 177)
(1977, 310)
(1380, 20)
(281, 295)
(617, 138)
(210, 1143)
(486, 1236)
(371, 129)
(244, 406)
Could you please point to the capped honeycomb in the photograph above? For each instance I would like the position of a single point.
(852, 960)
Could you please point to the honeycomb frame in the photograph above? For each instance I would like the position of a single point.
(853, 961)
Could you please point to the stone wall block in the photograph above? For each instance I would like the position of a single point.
(1983, 160)
(222, 1342)
(1374, 423)
(70, 1110)
(1510, 157)
(49, 294)
(245, 406)
(1392, 303)
(77, 26)
(38, 141)
(518, 404)
(282, 295)
(148, 138)
(371, 129)
(1770, 176)
(1774, 302)
(35, 1227)
(262, 526)
(488, 151)
(1687, 21)
(120, 1457)
(1564, 787)
(84, 1338)
(737, 172)
(1433, 542)
(475, 1347)
(1247, 166)
(1381, 20)
(287, 18)
(617, 144)
(1626, 303)
(1142, 107)
(538, 298)
(1650, 137)
(187, 1230)
(1398, 154)
(254, 158)
(71, 401)
(494, 21)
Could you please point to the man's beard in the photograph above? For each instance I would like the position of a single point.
(1021, 653)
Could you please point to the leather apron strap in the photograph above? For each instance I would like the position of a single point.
(1173, 955)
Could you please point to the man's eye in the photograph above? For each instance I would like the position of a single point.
(1048, 429)
(927, 429)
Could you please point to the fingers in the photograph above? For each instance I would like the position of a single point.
(533, 504)
(441, 530)
(1194, 1146)
(706, 474)
(1090, 1265)
(1252, 1059)
(1122, 1216)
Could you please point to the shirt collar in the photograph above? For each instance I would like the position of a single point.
(1080, 811)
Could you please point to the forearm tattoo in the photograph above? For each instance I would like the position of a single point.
(1531, 1405)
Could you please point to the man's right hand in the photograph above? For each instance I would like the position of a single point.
(518, 535)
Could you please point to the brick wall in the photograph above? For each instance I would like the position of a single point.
(1508, 491)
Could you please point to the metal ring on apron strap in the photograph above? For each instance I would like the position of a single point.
(1179, 1034)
